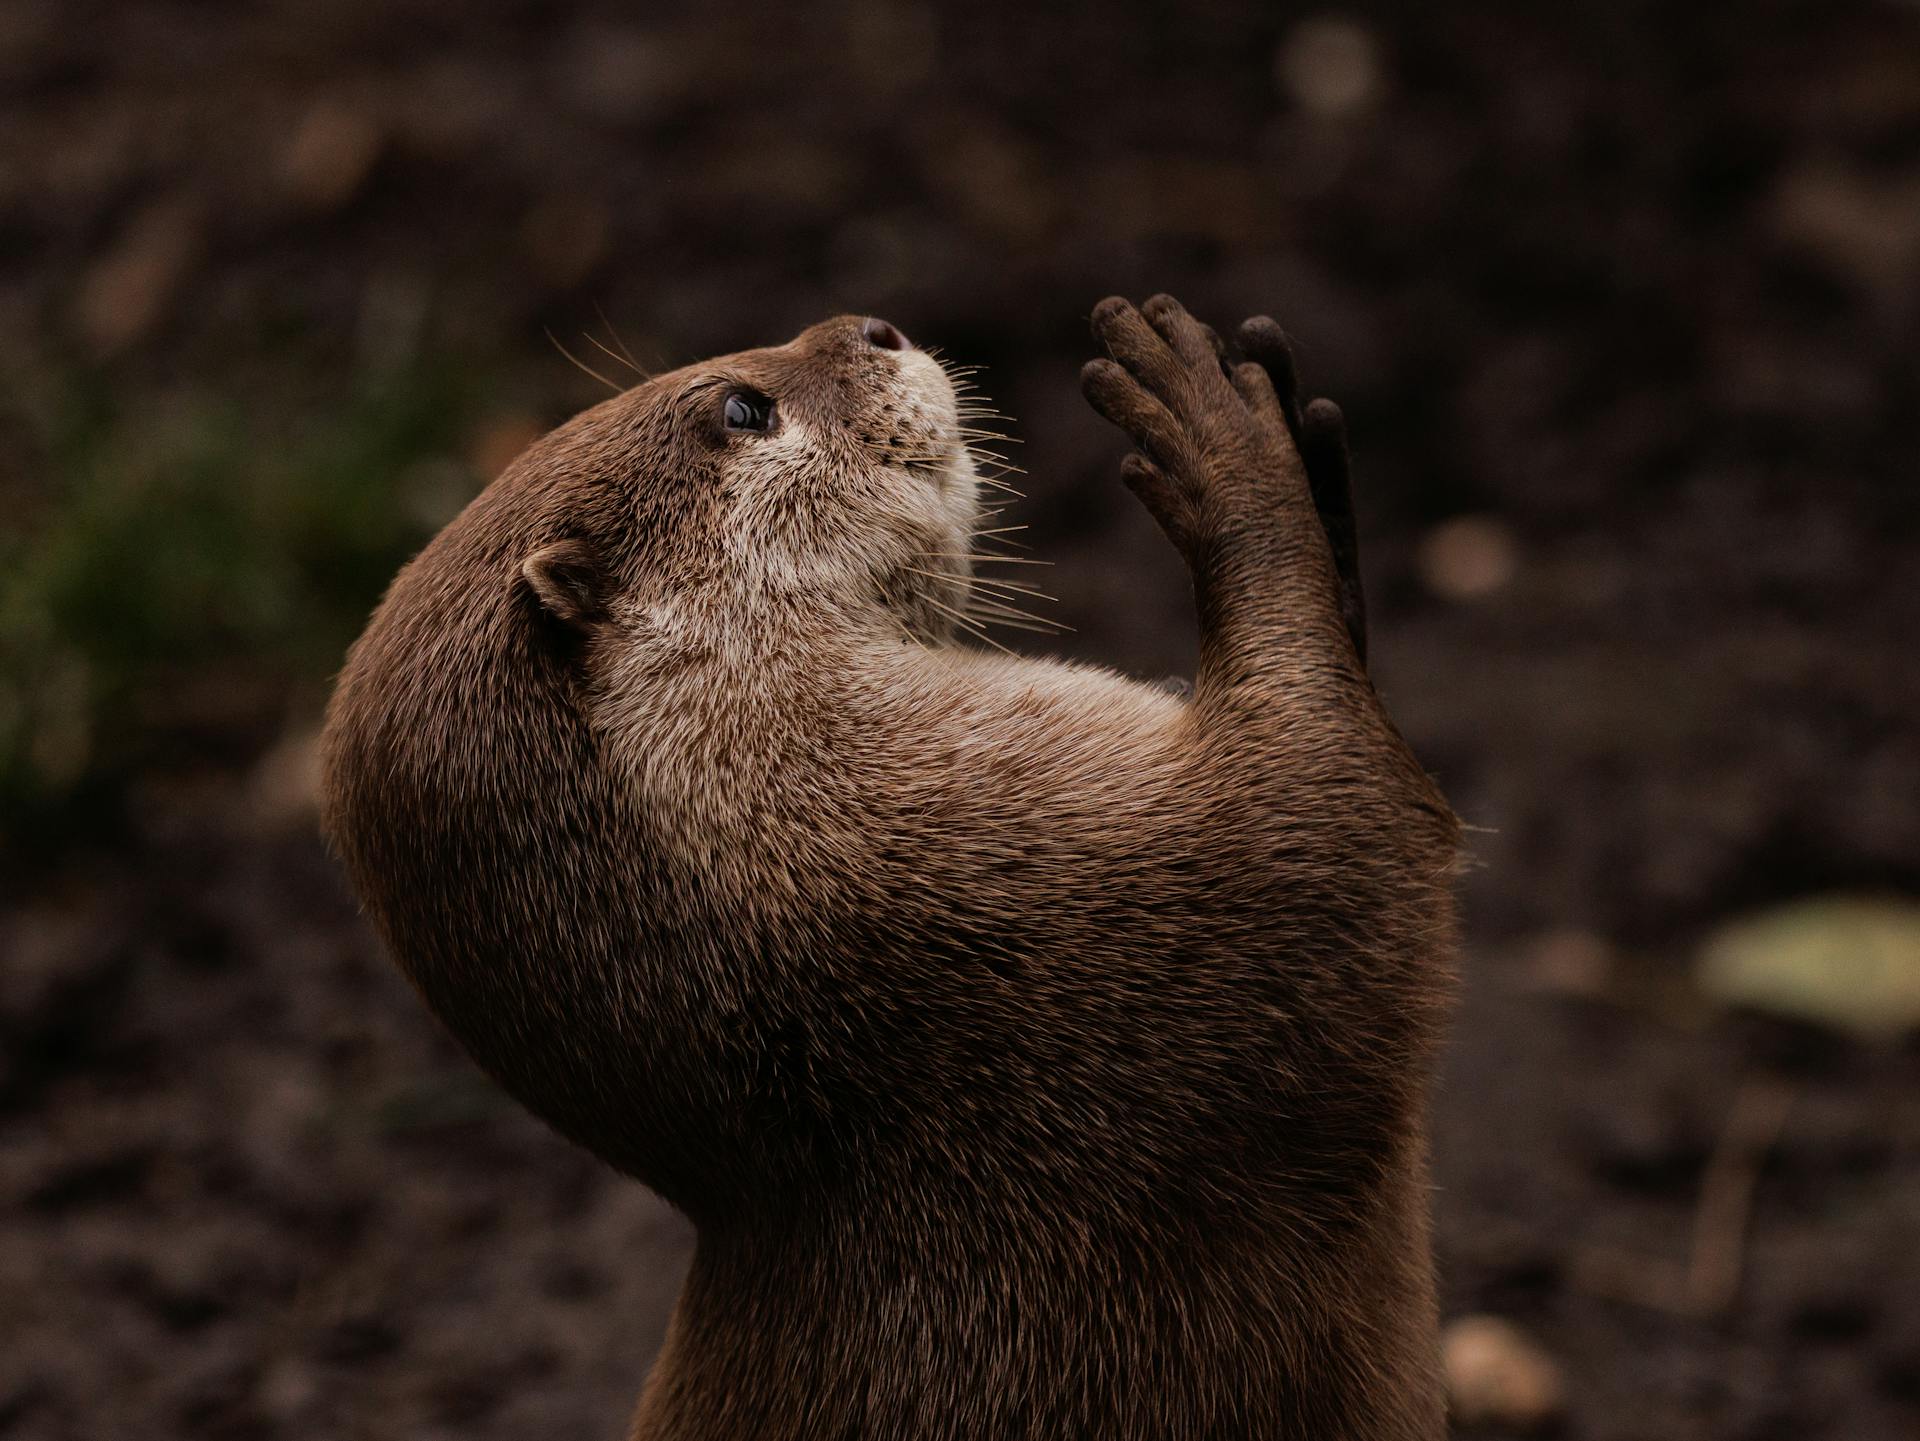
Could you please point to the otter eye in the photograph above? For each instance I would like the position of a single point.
(748, 410)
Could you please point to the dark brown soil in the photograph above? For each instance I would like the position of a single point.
(1634, 287)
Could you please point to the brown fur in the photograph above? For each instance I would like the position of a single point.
(1039, 1055)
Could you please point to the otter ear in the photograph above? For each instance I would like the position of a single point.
(567, 579)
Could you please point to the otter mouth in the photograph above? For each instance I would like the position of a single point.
(928, 438)
(938, 463)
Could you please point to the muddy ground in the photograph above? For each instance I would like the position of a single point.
(1621, 303)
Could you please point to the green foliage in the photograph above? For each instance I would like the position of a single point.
(160, 547)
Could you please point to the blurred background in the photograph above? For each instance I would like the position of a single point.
(1621, 302)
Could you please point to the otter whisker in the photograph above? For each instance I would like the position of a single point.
(1003, 589)
(595, 340)
(1003, 622)
(984, 555)
(996, 590)
(1014, 619)
(945, 575)
(993, 607)
(638, 369)
(967, 624)
(986, 594)
(581, 365)
(1001, 593)
(998, 481)
(998, 463)
(893, 455)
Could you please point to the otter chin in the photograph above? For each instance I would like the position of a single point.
(1038, 1054)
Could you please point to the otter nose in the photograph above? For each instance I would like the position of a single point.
(883, 336)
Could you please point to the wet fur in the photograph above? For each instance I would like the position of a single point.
(1038, 1055)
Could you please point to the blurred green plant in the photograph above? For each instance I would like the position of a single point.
(202, 544)
(1850, 963)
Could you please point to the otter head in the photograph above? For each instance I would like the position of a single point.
(826, 481)
(486, 808)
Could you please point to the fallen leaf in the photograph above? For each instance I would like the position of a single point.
(1852, 963)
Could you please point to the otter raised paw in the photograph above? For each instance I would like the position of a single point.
(1219, 466)
(1038, 1054)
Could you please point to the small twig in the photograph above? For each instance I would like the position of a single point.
(1708, 1284)
(1725, 1210)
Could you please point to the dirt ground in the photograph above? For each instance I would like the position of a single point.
(1621, 302)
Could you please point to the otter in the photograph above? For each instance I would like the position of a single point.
(1037, 1053)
